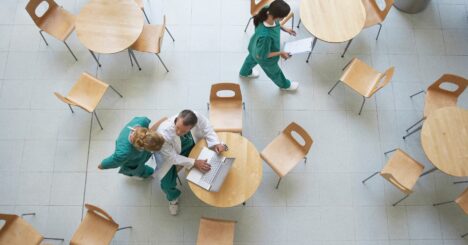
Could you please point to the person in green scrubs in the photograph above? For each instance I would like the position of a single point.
(133, 148)
(264, 46)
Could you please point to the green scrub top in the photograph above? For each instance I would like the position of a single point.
(264, 41)
(187, 144)
(130, 160)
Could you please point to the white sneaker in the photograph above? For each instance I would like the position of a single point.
(292, 87)
(174, 207)
(255, 74)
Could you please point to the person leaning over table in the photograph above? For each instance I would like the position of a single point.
(264, 46)
(133, 148)
(180, 133)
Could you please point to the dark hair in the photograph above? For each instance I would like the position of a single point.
(277, 9)
(188, 117)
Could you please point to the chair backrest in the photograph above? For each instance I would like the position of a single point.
(92, 226)
(459, 81)
(382, 12)
(402, 171)
(294, 127)
(161, 34)
(234, 87)
(32, 6)
(100, 212)
(390, 178)
(384, 80)
(63, 99)
(256, 7)
(18, 231)
(462, 201)
(216, 232)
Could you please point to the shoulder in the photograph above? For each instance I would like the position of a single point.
(167, 129)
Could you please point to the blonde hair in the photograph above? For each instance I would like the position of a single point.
(144, 138)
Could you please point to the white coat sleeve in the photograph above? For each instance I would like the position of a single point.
(208, 132)
(170, 155)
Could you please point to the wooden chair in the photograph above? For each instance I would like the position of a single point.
(364, 79)
(150, 41)
(374, 16)
(226, 111)
(462, 201)
(256, 7)
(97, 228)
(86, 94)
(284, 152)
(141, 5)
(438, 97)
(55, 21)
(402, 171)
(17, 231)
(216, 232)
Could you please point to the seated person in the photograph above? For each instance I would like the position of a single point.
(180, 133)
(133, 148)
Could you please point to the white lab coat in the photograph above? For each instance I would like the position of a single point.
(170, 152)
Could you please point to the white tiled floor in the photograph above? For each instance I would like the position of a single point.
(49, 157)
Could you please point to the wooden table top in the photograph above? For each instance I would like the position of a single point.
(444, 138)
(242, 180)
(333, 21)
(109, 26)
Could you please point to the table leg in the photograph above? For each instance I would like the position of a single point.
(95, 58)
(428, 172)
(311, 49)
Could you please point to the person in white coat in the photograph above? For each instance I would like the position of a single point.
(181, 132)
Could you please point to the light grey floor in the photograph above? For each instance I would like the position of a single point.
(49, 157)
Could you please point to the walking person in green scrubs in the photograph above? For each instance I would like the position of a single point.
(264, 46)
(133, 148)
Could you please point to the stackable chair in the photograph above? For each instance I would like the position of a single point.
(216, 232)
(285, 152)
(55, 21)
(141, 5)
(462, 201)
(256, 7)
(226, 111)
(86, 94)
(402, 171)
(17, 231)
(96, 228)
(438, 97)
(150, 41)
(374, 16)
(364, 79)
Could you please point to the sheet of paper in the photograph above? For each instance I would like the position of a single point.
(299, 46)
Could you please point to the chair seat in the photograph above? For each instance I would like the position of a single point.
(404, 169)
(59, 23)
(372, 16)
(226, 116)
(94, 230)
(361, 77)
(282, 154)
(148, 41)
(216, 232)
(20, 232)
(436, 99)
(87, 92)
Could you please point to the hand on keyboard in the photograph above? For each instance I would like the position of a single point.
(202, 165)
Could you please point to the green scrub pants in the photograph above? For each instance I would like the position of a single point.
(169, 184)
(272, 70)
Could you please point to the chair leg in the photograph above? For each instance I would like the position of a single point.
(385, 153)
(298, 23)
(207, 106)
(52, 238)
(115, 90)
(95, 58)
(378, 33)
(130, 56)
(311, 49)
(71, 52)
(28, 214)
(146, 16)
(97, 118)
(372, 175)
(168, 32)
(362, 106)
(243, 106)
(279, 180)
(305, 160)
(248, 22)
(123, 228)
(442, 203)
(292, 22)
(333, 87)
(400, 200)
(416, 123)
(136, 61)
(422, 91)
(464, 235)
(178, 178)
(71, 109)
(412, 132)
(428, 172)
(347, 46)
(40, 32)
(459, 182)
(162, 62)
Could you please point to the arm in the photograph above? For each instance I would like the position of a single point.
(208, 132)
(117, 159)
(169, 153)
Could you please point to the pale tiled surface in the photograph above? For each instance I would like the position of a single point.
(49, 157)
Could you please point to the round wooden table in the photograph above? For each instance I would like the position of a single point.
(109, 26)
(333, 21)
(242, 180)
(444, 138)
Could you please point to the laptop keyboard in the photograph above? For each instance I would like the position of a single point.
(215, 163)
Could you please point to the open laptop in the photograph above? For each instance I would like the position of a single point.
(213, 179)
